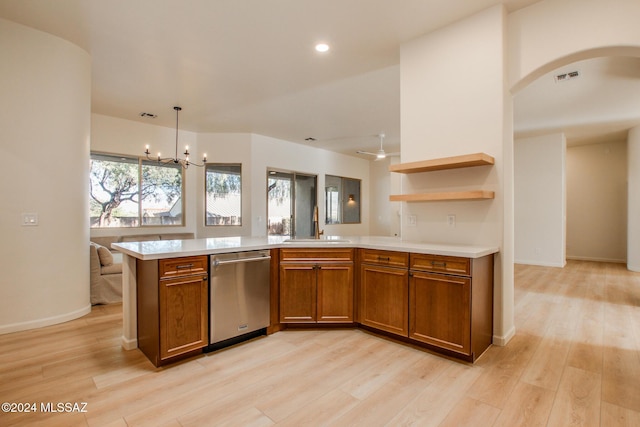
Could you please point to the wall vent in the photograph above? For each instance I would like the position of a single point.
(566, 76)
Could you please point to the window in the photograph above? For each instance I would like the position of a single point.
(131, 192)
(223, 188)
(291, 199)
(342, 200)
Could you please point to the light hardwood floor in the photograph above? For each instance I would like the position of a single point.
(575, 360)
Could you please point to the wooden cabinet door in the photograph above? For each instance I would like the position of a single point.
(440, 311)
(384, 298)
(183, 315)
(297, 293)
(335, 293)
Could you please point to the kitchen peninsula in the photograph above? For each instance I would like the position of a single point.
(434, 284)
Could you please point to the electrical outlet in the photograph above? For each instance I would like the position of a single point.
(412, 220)
(451, 220)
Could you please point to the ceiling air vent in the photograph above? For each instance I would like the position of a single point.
(567, 76)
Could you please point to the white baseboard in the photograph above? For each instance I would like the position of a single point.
(48, 321)
(595, 259)
(504, 339)
(129, 344)
(542, 264)
(635, 268)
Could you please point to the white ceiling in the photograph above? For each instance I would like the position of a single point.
(601, 104)
(249, 65)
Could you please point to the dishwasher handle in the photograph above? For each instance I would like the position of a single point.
(217, 262)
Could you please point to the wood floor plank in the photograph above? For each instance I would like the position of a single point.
(493, 387)
(325, 410)
(380, 407)
(586, 346)
(547, 364)
(310, 386)
(528, 405)
(378, 372)
(613, 415)
(471, 413)
(435, 402)
(578, 399)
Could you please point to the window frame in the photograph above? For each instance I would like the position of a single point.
(206, 169)
(345, 203)
(140, 161)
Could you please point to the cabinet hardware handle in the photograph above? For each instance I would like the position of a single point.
(179, 267)
(384, 258)
(438, 264)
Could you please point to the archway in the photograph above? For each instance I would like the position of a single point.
(633, 198)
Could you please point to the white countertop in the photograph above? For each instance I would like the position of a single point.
(159, 249)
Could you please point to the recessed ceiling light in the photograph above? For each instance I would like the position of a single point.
(322, 47)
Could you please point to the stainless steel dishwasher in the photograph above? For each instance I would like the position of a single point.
(239, 297)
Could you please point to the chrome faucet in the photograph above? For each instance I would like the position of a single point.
(316, 224)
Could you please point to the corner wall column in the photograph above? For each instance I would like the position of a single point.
(633, 200)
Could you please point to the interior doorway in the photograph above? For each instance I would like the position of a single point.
(291, 199)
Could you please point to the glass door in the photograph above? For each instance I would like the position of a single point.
(291, 197)
(304, 203)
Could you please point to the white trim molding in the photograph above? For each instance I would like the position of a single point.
(504, 340)
(47, 321)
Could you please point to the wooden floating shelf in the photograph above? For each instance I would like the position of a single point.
(455, 162)
(435, 197)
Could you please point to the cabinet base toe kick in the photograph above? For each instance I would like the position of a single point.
(235, 340)
(471, 358)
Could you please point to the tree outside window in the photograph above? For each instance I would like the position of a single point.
(129, 192)
(223, 188)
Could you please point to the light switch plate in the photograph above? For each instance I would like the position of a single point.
(30, 219)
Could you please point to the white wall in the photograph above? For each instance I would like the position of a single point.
(454, 101)
(452, 104)
(45, 94)
(385, 218)
(597, 202)
(540, 200)
(118, 136)
(633, 225)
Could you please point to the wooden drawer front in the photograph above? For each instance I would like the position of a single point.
(387, 258)
(175, 267)
(316, 254)
(441, 264)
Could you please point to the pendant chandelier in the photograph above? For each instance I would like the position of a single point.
(185, 163)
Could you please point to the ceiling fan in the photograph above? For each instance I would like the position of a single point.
(381, 153)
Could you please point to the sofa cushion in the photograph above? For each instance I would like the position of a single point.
(111, 269)
(105, 256)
